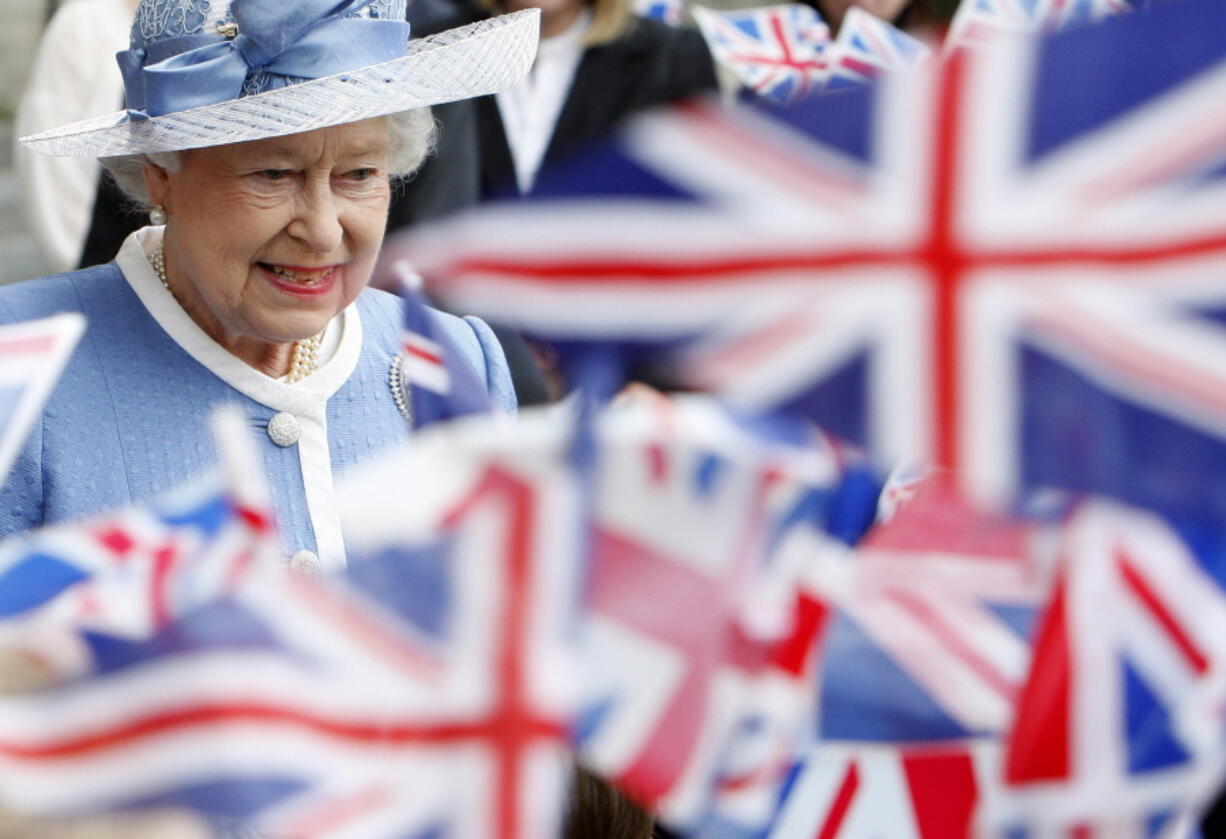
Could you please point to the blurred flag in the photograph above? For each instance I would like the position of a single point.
(927, 649)
(430, 380)
(424, 692)
(944, 714)
(130, 573)
(703, 195)
(868, 46)
(1018, 345)
(32, 356)
(982, 266)
(778, 52)
(934, 616)
(488, 556)
(697, 693)
(1122, 711)
(860, 791)
(901, 485)
(931, 791)
(983, 22)
(665, 11)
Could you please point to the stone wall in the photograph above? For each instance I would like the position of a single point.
(19, 30)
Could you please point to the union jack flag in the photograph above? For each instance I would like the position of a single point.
(867, 46)
(32, 356)
(920, 670)
(1101, 207)
(1130, 645)
(778, 52)
(983, 22)
(860, 791)
(698, 691)
(130, 573)
(932, 638)
(1111, 724)
(972, 267)
(422, 693)
(931, 791)
(937, 791)
(430, 380)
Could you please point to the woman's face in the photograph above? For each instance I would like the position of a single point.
(267, 240)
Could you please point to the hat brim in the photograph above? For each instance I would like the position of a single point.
(482, 58)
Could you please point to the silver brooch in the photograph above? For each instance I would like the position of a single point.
(227, 29)
(395, 381)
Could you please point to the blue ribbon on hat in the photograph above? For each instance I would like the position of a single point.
(294, 41)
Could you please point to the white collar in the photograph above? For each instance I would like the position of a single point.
(297, 398)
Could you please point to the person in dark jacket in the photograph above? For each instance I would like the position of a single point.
(597, 65)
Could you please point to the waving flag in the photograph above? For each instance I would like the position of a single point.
(423, 692)
(927, 651)
(697, 693)
(1122, 710)
(928, 673)
(935, 610)
(130, 573)
(32, 356)
(430, 380)
(977, 268)
(936, 791)
(983, 22)
(847, 791)
(498, 544)
(1010, 364)
(778, 52)
(246, 712)
(868, 46)
(785, 52)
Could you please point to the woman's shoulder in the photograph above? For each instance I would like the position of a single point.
(46, 296)
(385, 313)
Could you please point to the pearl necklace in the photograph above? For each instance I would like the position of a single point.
(305, 359)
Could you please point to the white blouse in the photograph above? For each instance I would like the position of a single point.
(530, 109)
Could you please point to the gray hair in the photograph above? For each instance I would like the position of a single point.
(412, 134)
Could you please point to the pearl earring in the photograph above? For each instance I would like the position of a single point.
(157, 215)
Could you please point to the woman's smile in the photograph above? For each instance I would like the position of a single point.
(301, 280)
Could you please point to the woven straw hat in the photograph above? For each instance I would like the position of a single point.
(211, 72)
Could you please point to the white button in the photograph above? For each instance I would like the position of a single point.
(284, 429)
(304, 562)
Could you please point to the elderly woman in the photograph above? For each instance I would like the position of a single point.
(263, 136)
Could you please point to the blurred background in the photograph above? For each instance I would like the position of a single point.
(23, 23)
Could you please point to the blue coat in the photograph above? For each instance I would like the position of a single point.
(129, 418)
